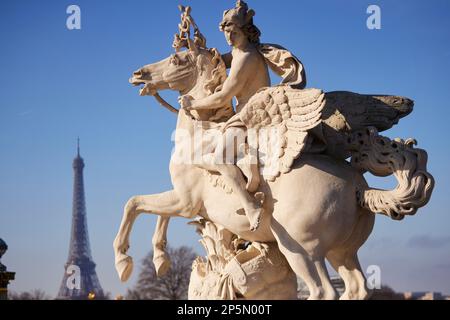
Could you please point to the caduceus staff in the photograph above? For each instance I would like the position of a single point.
(180, 41)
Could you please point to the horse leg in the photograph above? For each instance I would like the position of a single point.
(348, 267)
(166, 204)
(337, 260)
(330, 291)
(352, 263)
(345, 259)
(313, 272)
(310, 266)
(159, 241)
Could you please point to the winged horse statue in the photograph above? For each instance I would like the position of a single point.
(317, 204)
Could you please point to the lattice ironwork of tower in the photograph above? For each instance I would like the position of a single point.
(80, 280)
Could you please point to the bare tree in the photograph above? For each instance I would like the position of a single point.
(386, 293)
(36, 294)
(173, 286)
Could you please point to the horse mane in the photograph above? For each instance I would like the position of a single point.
(214, 84)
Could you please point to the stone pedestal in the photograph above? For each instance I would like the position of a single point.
(5, 278)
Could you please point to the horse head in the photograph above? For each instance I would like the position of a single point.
(197, 71)
(177, 72)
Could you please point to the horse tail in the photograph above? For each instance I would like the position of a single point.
(383, 157)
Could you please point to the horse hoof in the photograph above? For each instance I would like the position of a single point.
(162, 265)
(124, 267)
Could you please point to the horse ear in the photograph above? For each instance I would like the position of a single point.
(192, 47)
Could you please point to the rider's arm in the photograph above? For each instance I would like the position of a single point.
(232, 86)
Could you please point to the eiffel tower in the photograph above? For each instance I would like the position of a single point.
(80, 280)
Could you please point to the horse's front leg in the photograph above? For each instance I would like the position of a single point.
(159, 241)
(165, 204)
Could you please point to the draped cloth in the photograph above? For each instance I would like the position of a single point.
(291, 70)
(284, 64)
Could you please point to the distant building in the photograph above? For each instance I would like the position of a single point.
(80, 281)
(419, 295)
(384, 293)
(303, 292)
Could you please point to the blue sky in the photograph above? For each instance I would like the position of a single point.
(58, 84)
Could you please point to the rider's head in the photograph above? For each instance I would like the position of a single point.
(237, 25)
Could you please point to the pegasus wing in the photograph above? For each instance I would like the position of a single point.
(356, 111)
(346, 112)
(279, 119)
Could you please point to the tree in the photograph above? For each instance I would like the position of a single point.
(36, 294)
(173, 286)
(386, 293)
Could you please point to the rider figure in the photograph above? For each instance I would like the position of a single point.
(248, 62)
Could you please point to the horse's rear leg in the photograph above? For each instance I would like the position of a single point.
(313, 271)
(348, 267)
(166, 204)
(310, 266)
(345, 259)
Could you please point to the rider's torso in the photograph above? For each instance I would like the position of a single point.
(258, 79)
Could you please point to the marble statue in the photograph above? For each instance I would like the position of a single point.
(269, 180)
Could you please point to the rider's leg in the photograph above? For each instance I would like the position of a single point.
(235, 152)
(247, 161)
(249, 167)
(222, 161)
(233, 178)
